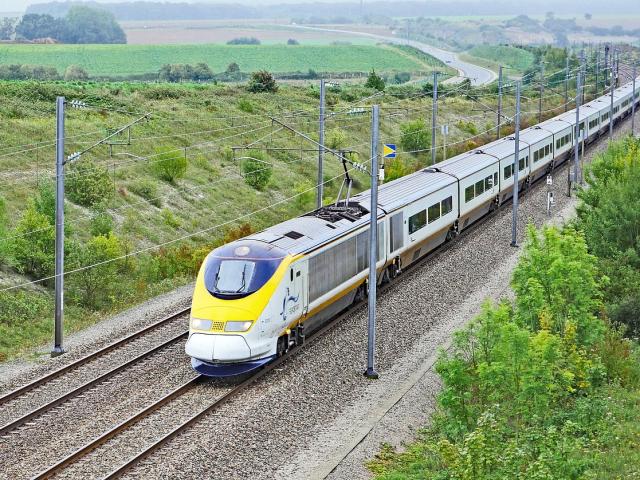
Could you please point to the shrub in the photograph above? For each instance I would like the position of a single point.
(93, 286)
(25, 318)
(402, 77)
(246, 105)
(244, 41)
(169, 164)
(375, 81)
(101, 224)
(393, 169)
(33, 245)
(4, 231)
(88, 183)
(336, 139)
(256, 170)
(293, 41)
(170, 219)
(75, 73)
(262, 81)
(45, 201)
(148, 190)
(415, 136)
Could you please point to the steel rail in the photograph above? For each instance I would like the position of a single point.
(93, 444)
(88, 358)
(91, 383)
(441, 249)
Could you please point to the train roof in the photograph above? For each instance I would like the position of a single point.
(306, 233)
(534, 134)
(503, 148)
(585, 112)
(461, 166)
(555, 126)
(400, 192)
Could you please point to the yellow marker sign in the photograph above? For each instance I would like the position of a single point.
(389, 150)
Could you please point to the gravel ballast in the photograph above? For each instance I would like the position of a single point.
(314, 416)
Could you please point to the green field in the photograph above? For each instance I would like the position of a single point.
(511, 57)
(116, 60)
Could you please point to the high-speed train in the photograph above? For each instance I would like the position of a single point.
(258, 296)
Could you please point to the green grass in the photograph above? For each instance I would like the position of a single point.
(511, 57)
(116, 60)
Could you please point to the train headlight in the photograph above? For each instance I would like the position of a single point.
(237, 326)
(200, 324)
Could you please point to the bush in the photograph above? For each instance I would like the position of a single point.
(88, 183)
(415, 136)
(75, 73)
(25, 318)
(33, 245)
(148, 190)
(244, 41)
(101, 224)
(375, 81)
(28, 72)
(246, 105)
(45, 201)
(93, 286)
(336, 139)
(402, 77)
(169, 164)
(393, 169)
(262, 81)
(256, 171)
(293, 41)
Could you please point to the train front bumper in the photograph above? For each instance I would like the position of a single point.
(218, 348)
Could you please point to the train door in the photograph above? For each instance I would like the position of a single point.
(296, 301)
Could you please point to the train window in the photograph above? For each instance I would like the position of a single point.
(558, 144)
(434, 212)
(547, 150)
(495, 178)
(508, 171)
(488, 182)
(417, 221)
(524, 162)
(292, 275)
(535, 156)
(468, 193)
(447, 205)
(479, 187)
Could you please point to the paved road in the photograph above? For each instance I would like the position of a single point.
(478, 75)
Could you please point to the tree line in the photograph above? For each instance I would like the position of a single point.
(80, 25)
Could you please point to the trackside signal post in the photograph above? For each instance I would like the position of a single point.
(373, 246)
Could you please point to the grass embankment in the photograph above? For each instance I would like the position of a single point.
(515, 59)
(546, 386)
(125, 60)
(177, 178)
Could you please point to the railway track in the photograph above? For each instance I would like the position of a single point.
(28, 390)
(221, 400)
(189, 385)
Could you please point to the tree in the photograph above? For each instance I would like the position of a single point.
(202, 72)
(91, 25)
(169, 164)
(256, 170)
(7, 28)
(375, 81)
(262, 81)
(33, 26)
(75, 73)
(88, 183)
(415, 136)
(293, 41)
(244, 41)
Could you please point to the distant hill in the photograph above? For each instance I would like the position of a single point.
(208, 11)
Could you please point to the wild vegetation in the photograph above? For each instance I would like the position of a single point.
(207, 166)
(547, 386)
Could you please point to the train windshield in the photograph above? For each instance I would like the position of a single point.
(239, 269)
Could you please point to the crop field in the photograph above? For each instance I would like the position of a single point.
(115, 60)
(511, 57)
